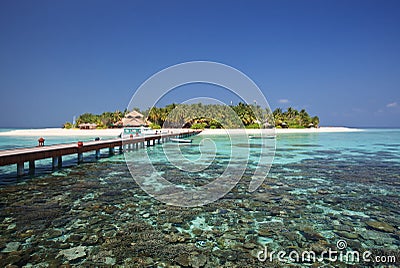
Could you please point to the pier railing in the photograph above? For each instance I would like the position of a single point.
(57, 151)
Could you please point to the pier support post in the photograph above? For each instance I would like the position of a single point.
(148, 143)
(111, 151)
(80, 158)
(159, 141)
(20, 169)
(31, 167)
(120, 149)
(97, 154)
(54, 162)
(60, 161)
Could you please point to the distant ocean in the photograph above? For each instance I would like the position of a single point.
(10, 142)
(322, 188)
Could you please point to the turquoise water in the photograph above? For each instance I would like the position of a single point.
(383, 145)
(10, 142)
(322, 188)
(8, 173)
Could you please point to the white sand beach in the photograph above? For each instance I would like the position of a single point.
(62, 132)
(316, 130)
(282, 131)
(54, 132)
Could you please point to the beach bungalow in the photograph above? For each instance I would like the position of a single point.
(87, 126)
(133, 119)
(284, 125)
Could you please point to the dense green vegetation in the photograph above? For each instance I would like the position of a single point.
(104, 120)
(216, 116)
(201, 116)
(294, 119)
(209, 116)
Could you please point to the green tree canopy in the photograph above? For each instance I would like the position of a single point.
(208, 116)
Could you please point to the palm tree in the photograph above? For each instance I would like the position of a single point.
(116, 116)
(304, 118)
(278, 114)
(315, 121)
(153, 115)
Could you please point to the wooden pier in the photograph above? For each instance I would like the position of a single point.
(57, 151)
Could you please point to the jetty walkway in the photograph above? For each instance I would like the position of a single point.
(57, 151)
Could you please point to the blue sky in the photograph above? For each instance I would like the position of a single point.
(338, 59)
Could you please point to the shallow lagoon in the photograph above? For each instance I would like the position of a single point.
(322, 188)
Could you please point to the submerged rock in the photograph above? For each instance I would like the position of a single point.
(229, 255)
(109, 261)
(183, 260)
(347, 234)
(12, 259)
(73, 253)
(310, 234)
(341, 227)
(198, 261)
(319, 246)
(381, 226)
(249, 245)
(265, 232)
(11, 247)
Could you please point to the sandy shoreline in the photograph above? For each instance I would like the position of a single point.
(59, 132)
(318, 130)
(283, 131)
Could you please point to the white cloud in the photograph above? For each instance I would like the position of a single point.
(391, 105)
(283, 101)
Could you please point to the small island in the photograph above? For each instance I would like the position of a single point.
(198, 116)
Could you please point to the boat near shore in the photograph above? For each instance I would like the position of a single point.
(181, 140)
(142, 131)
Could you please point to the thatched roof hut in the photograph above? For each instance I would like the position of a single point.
(133, 119)
(87, 126)
(284, 125)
